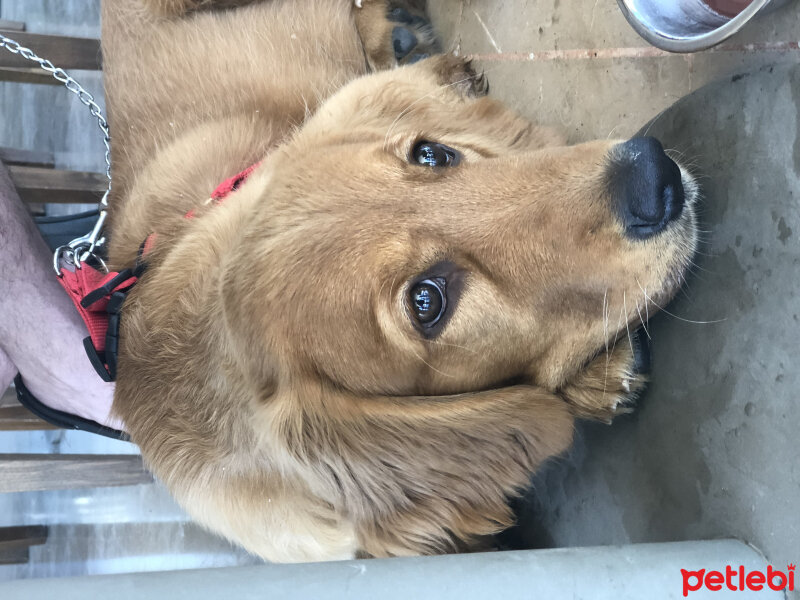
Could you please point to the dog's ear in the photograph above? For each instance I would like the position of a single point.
(417, 474)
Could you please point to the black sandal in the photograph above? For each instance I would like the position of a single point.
(58, 231)
(60, 418)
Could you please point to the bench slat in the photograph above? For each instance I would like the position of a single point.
(37, 472)
(37, 184)
(65, 52)
(19, 418)
(27, 158)
(11, 25)
(36, 76)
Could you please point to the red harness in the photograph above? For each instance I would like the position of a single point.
(99, 296)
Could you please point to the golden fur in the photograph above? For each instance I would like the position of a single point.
(269, 369)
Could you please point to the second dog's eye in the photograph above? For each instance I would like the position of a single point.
(432, 154)
(428, 301)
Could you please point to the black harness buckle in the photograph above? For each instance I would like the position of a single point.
(105, 363)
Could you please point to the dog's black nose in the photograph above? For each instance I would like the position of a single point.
(647, 186)
(403, 42)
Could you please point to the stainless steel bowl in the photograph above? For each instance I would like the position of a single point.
(687, 25)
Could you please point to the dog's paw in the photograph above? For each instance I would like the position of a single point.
(395, 32)
(458, 72)
(609, 385)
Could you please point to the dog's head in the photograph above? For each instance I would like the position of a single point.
(423, 273)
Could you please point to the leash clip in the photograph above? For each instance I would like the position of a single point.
(83, 248)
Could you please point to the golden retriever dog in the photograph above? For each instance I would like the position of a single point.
(376, 338)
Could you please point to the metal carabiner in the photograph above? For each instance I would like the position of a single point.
(80, 249)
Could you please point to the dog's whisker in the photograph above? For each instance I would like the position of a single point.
(380, 290)
(605, 321)
(430, 366)
(665, 311)
(470, 350)
(644, 327)
(605, 337)
(627, 322)
(654, 121)
(618, 328)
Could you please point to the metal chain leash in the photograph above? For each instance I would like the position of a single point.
(82, 248)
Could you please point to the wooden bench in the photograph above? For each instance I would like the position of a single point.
(71, 54)
(39, 182)
(33, 173)
(36, 472)
(15, 543)
(15, 417)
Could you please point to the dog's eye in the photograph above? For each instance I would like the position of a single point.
(429, 301)
(431, 154)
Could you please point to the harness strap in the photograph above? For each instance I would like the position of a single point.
(99, 296)
(224, 189)
(90, 291)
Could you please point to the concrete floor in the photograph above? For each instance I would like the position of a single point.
(579, 66)
(713, 449)
(710, 451)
